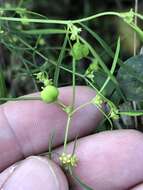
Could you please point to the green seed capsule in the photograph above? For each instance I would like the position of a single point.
(49, 94)
(77, 51)
(85, 50)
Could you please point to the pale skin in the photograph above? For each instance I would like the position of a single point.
(106, 161)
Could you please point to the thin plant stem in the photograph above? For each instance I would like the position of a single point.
(106, 116)
(136, 23)
(135, 52)
(81, 107)
(60, 59)
(73, 82)
(62, 22)
(20, 99)
(73, 103)
(113, 65)
(66, 132)
(59, 102)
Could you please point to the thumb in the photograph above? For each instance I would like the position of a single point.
(34, 173)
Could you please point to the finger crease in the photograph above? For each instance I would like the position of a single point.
(13, 133)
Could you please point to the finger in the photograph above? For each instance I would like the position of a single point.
(27, 126)
(109, 160)
(34, 173)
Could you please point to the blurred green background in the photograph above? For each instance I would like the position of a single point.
(18, 77)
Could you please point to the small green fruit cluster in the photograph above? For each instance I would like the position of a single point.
(74, 30)
(79, 51)
(98, 100)
(68, 160)
(114, 114)
(93, 67)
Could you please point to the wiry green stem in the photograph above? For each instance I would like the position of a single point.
(62, 22)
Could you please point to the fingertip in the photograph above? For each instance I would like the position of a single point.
(113, 156)
(36, 173)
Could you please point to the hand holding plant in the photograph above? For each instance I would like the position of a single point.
(99, 155)
(57, 118)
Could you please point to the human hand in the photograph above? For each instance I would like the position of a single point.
(107, 161)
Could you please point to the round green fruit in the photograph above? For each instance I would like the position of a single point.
(77, 51)
(85, 50)
(80, 51)
(49, 94)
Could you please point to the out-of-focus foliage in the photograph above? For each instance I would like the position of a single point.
(108, 28)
